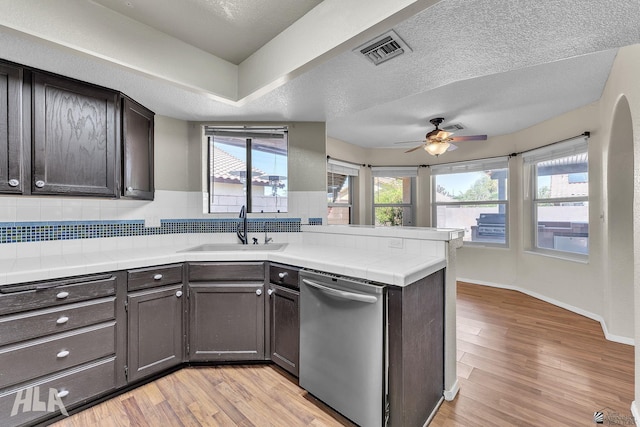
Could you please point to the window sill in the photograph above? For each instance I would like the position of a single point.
(563, 256)
(485, 245)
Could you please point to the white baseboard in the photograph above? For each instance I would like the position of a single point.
(451, 394)
(433, 413)
(634, 411)
(609, 336)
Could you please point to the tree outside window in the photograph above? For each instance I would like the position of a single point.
(393, 195)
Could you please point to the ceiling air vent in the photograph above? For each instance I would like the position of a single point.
(382, 48)
(453, 127)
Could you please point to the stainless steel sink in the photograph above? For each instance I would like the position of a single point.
(220, 247)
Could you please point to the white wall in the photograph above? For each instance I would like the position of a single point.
(623, 83)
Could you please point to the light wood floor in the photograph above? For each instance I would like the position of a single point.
(521, 362)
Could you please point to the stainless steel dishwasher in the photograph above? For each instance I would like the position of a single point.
(343, 345)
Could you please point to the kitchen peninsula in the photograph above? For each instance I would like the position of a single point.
(403, 259)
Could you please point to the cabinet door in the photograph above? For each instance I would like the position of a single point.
(285, 327)
(226, 321)
(137, 150)
(11, 170)
(155, 330)
(74, 138)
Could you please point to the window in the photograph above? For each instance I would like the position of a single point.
(393, 195)
(473, 196)
(247, 167)
(340, 177)
(560, 196)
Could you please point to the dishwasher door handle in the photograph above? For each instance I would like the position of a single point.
(370, 299)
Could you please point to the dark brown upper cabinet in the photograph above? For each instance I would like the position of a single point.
(11, 139)
(75, 138)
(137, 150)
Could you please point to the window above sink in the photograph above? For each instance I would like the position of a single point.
(247, 167)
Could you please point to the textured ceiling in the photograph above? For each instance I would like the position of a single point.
(495, 66)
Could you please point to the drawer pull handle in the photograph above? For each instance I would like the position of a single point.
(283, 275)
(62, 320)
(63, 393)
(157, 277)
(63, 353)
(62, 295)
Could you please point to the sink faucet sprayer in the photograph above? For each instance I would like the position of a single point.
(266, 239)
(264, 226)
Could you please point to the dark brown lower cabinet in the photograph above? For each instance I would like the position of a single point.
(226, 321)
(285, 327)
(416, 350)
(156, 340)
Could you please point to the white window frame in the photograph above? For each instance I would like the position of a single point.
(395, 172)
(473, 166)
(351, 171)
(571, 147)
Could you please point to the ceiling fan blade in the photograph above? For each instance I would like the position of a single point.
(469, 138)
(414, 149)
(415, 141)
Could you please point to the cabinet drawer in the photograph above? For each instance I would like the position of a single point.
(227, 271)
(16, 298)
(284, 275)
(74, 386)
(38, 323)
(152, 277)
(33, 359)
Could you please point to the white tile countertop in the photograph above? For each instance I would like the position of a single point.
(394, 257)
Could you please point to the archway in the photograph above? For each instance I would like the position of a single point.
(619, 295)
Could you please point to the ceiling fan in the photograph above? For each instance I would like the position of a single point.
(439, 141)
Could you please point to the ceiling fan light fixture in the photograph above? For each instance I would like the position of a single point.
(436, 148)
(442, 134)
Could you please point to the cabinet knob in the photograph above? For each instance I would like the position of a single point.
(14, 183)
(62, 354)
(129, 189)
(62, 295)
(157, 277)
(63, 393)
(283, 274)
(179, 294)
(271, 292)
(62, 320)
(39, 183)
(258, 292)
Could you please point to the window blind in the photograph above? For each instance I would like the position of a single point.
(395, 171)
(471, 166)
(343, 168)
(558, 150)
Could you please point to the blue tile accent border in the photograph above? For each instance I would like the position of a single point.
(16, 232)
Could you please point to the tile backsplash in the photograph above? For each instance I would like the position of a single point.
(25, 219)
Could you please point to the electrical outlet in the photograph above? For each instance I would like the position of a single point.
(396, 243)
